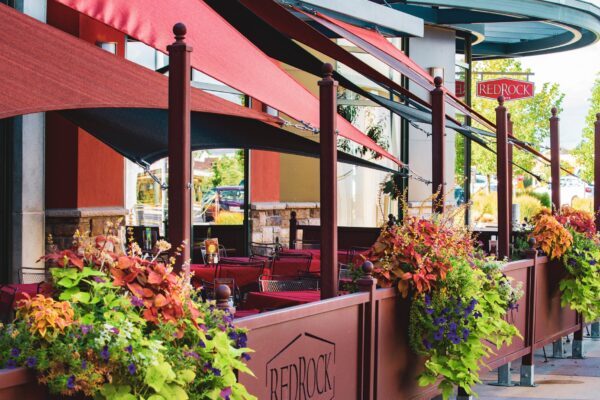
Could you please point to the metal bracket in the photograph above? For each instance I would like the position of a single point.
(146, 167)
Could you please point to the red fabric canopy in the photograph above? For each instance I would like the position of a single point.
(46, 69)
(219, 51)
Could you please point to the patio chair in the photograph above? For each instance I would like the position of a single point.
(263, 249)
(308, 245)
(274, 283)
(291, 264)
(258, 265)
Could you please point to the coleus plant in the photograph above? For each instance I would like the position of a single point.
(416, 254)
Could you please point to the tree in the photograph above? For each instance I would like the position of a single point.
(228, 171)
(530, 117)
(584, 153)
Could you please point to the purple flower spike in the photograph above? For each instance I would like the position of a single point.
(427, 344)
(137, 302)
(99, 279)
(427, 300)
(84, 365)
(225, 393)
(466, 334)
(105, 354)
(132, 368)
(246, 356)
(129, 349)
(15, 352)
(85, 329)
(71, 382)
(201, 344)
(192, 354)
(429, 310)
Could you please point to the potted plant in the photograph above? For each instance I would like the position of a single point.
(121, 326)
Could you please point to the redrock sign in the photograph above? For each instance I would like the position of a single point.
(511, 89)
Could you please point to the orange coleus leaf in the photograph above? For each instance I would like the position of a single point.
(155, 278)
(161, 301)
(124, 262)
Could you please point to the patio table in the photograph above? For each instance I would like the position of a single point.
(343, 255)
(243, 275)
(274, 300)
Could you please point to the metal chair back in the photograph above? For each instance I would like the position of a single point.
(274, 283)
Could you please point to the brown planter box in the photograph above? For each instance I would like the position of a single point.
(20, 383)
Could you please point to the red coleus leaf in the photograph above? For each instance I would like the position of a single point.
(155, 278)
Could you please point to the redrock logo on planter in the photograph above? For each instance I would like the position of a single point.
(302, 370)
(511, 89)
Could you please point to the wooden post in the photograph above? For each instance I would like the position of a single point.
(509, 128)
(367, 284)
(502, 173)
(597, 170)
(328, 162)
(180, 150)
(438, 117)
(555, 159)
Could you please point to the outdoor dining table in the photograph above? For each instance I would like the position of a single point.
(275, 300)
(243, 275)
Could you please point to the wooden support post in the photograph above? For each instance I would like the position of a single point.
(555, 159)
(502, 173)
(510, 176)
(367, 284)
(222, 297)
(328, 162)
(180, 150)
(597, 170)
(438, 119)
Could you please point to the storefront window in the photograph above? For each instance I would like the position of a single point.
(364, 204)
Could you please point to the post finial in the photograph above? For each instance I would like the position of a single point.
(554, 111)
(508, 116)
(598, 117)
(367, 268)
(438, 80)
(179, 29)
(531, 243)
(327, 70)
(501, 100)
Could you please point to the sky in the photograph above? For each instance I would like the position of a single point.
(575, 71)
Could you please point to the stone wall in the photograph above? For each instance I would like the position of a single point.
(269, 221)
(62, 223)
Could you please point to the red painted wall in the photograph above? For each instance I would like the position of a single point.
(264, 170)
(81, 170)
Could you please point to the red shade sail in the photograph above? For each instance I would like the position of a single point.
(46, 69)
(219, 51)
(378, 46)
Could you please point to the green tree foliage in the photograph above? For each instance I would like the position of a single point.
(584, 153)
(228, 170)
(530, 117)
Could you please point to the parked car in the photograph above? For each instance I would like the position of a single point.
(231, 198)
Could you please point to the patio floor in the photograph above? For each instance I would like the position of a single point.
(556, 379)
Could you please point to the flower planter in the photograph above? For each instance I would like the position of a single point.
(20, 383)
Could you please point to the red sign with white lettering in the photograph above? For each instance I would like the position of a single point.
(511, 89)
(459, 88)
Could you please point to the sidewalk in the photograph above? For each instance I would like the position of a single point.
(556, 379)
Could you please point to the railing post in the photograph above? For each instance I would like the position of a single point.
(293, 230)
(595, 327)
(555, 160)
(367, 284)
(222, 296)
(527, 377)
(597, 171)
(438, 119)
(180, 150)
(502, 172)
(509, 128)
(328, 162)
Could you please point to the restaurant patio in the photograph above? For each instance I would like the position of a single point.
(415, 307)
